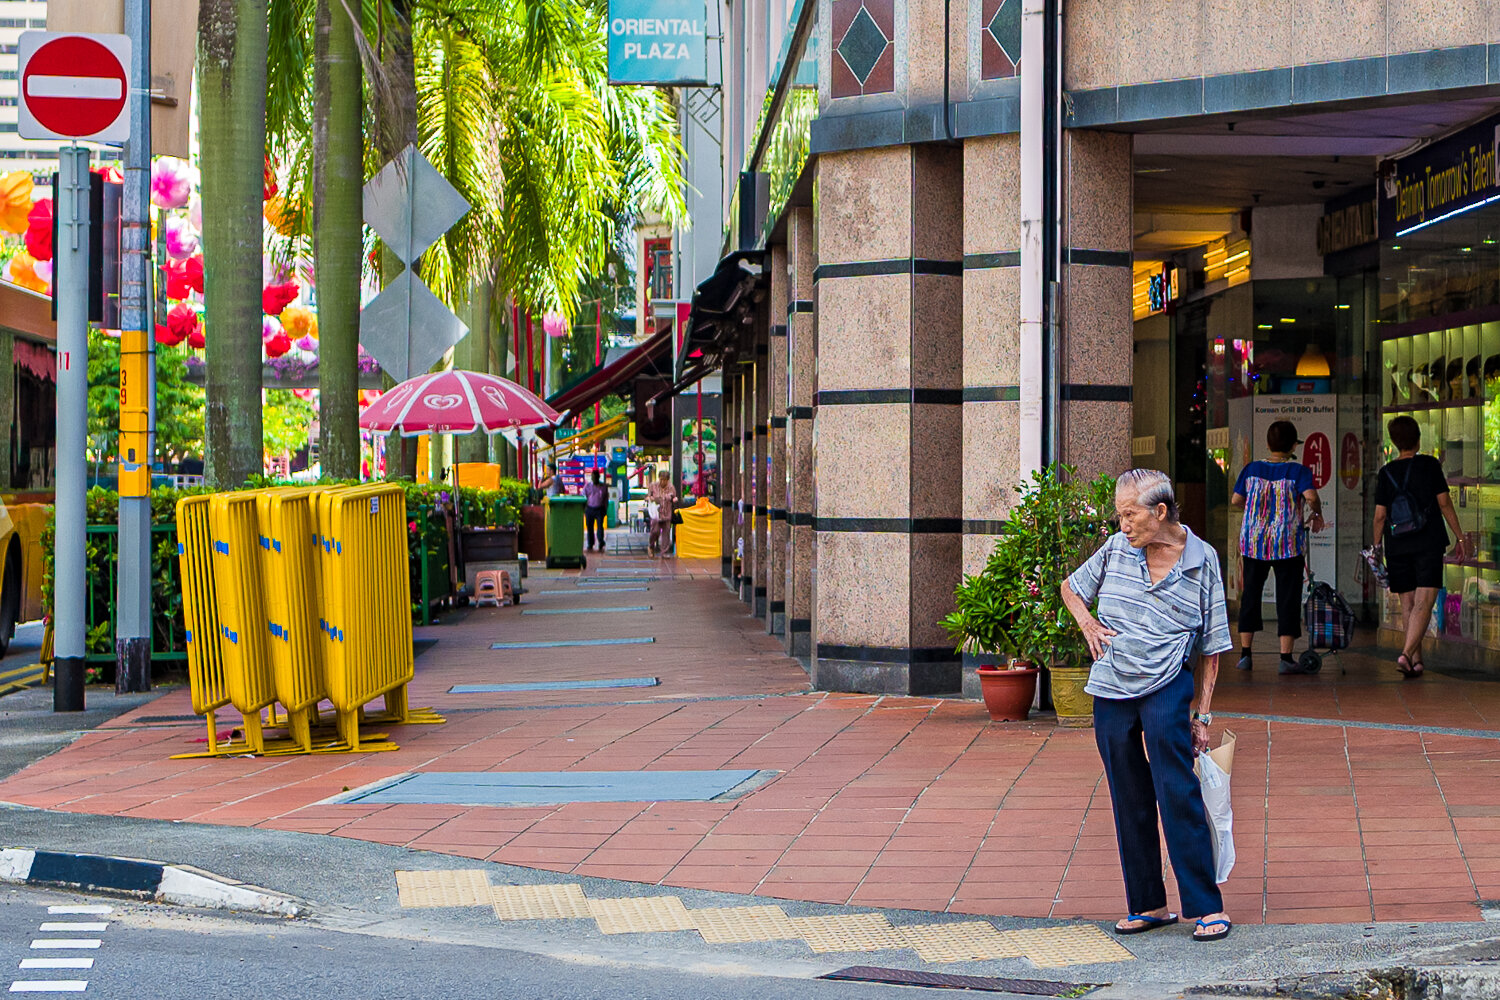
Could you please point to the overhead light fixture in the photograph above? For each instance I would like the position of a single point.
(1288, 319)
(1465, 249)
(1395, 246)
(1488, 241)
(1313, 364)
(1447, 215)
(1342, 305)
(1263, 326)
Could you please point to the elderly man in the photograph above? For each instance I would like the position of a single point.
(1160, 599)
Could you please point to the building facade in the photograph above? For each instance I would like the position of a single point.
(964, 239)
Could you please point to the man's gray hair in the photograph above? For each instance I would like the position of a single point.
(1151, 487)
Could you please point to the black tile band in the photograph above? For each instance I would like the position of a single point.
(729, 443)
(760, 430)
(1097, 393)
(799, 306)
(860, 397)
(778, 329)
(760, 591)
(762, 510)
(762, 349)
(1005, 258)
(777, 607)
(892, 525)
(777, 514)
(991, 393)
(889, 654)
(1100, 258)
(778, 422)
(799, 412)
(973, 527)
(748, 436)
(799, 624)
(896, 265)
(798, 519)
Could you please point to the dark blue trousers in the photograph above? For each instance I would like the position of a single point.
(1157, 726)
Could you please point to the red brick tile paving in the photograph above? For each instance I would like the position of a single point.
(909, 802)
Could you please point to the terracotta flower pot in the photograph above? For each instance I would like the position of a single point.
(1075, 708)
(1008, 693)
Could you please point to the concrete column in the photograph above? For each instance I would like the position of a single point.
(760, 534)
(778, 539)
(801, 350)
(1097, 324)
(991, 348)
(745, 376)
(889, 418)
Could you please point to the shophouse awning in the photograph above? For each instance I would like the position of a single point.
(724, 304)
(655, 353)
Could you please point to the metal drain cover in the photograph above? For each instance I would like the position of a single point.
(945, 981)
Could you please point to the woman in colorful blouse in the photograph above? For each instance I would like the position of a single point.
(1274, 493)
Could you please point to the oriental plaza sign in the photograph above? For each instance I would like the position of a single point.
(657, 42)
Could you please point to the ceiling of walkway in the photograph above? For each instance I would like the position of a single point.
(1215, 167)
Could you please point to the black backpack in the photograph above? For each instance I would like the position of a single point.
(1407, 516)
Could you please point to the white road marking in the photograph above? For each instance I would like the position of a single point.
(66, 943)
(75, 925)
(49, 986)
(80, 910)
(106, 88)
(57, 963)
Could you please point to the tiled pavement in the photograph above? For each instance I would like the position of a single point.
(883, 802)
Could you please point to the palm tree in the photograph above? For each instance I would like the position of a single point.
(232, 37)
(338, 231)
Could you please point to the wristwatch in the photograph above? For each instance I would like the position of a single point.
(1207, 718)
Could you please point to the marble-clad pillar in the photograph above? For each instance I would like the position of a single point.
(991, 347)
(889, 414)
(775, 496)
(760, 534)
(800, 388)
(1097, 322)
(744, 541)
(729, 445)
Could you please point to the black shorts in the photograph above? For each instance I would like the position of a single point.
(1411, 570)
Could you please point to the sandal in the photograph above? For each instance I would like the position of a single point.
(1404, 665)
(1216, 935)
(1150, 923)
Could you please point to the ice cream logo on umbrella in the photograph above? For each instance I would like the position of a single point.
(438, 402)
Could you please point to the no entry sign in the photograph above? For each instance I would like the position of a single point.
(74, 86)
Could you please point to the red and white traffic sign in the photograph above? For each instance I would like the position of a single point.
(74, 86)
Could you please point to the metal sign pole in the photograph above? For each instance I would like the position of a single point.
(137, 373)
(70, 287)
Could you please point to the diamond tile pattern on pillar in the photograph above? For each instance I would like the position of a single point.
(863, 45)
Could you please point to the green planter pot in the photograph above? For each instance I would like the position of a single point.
(1075, 708)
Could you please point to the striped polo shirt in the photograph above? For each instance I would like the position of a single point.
(1156, 622)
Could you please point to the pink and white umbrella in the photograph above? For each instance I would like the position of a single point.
(457, 402)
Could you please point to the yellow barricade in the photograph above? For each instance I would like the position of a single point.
(367, 604)
(240, 594)
(700, 535)
(289, 569)
(200, 611)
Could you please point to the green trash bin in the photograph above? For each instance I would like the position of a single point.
(565, 532)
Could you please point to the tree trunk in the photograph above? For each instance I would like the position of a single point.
(232, 116)
(391, 137)
(338, 219)
(473, 354)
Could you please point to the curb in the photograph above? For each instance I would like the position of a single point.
(177, 884)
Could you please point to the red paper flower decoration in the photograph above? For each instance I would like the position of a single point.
(276, 298)
(183, 322)
(193, 272)
(278, 345)
(178, 285)
(164, 335)
(39, 230)
(195, 338)
(268, 181)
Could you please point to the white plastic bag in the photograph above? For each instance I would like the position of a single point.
(1214, 781)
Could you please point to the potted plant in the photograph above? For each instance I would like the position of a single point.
(989, 621)
(1057, 522)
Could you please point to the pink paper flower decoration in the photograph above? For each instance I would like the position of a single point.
(308, 344)
(270, 326)
(555, 325)
(182, 239)
(171, 183)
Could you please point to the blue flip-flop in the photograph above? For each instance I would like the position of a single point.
(1151, 923)
(1217, 935)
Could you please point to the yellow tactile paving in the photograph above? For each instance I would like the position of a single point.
(640, 914)
(1054, 947)
(458, 887)
(971, 941)
(738, 924)
(539, 902)
(848, 932)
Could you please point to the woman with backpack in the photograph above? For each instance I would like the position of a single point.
(1411, 504)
